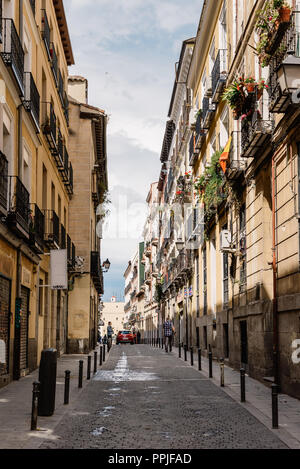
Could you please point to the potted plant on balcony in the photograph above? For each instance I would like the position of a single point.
(283, 9)
(268, 26)
(235, 97)
(250, 84)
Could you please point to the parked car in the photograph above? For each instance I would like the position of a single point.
(125, 337)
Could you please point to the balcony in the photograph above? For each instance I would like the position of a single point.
(54, 63)
(61, 90)
(18, 217)
(71, 253)
(96, 271)
(63, 237)
(201, 133)
(180, 267)
(66, 107)
(59, 155)
(32, 99)
(69, 184)
(237, 164)
(64, 169)
(12, 52)
(49, 127)
(219, 75)
(37, 229)
(51, 229)
(208, 111)
(3, 184)
(288, 40)
(46, 33)
(257, 134)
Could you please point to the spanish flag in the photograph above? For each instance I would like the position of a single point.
(224, 158)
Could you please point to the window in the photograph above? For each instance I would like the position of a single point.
(225, 276)
(243, 257)
(204, 281)
(197, 260)
(223, 26)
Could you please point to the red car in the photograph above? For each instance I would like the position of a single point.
(125, 337)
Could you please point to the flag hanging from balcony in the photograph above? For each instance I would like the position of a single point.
(224, 158)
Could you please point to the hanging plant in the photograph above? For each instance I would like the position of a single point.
(274, 14)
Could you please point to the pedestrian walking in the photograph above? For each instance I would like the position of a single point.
(138, 337)
(110, 332)
(168, 334)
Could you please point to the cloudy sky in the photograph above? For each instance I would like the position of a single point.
(127, 50)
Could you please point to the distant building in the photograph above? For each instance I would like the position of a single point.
(113, 312)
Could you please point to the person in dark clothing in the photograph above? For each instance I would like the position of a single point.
(168, 334)
(138, 336)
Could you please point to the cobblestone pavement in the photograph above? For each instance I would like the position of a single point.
(145, 399)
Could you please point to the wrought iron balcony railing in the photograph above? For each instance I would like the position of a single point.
(219, 75)
(60, 150)
(12, 52)
(66, 107)
(54, 63)
(71, 253)
(51, 229)
(289, 41)
(37, 229)
(69, 184)
(96, 271)
(49, 127)
(46, 32)
(236, 164)
(208, 110)
(61, 87)
(62, 241)
(257, 133)
(3, 183)
(18, 206)
(32, 99)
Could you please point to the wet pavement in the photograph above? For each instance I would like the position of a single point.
(143, 398)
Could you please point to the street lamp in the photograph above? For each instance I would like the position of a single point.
(106, 265)
(288, 74)
(180, 244)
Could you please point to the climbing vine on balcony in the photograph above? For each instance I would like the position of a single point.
(211, 187)
(272, 21)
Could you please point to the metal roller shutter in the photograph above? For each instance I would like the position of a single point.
(4, 324)
(24, 329)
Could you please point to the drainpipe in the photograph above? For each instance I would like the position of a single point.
(274, 267)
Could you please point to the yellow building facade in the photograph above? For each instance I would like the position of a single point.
(36, 182)
(229, 272)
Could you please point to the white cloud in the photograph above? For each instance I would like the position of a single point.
(127, 50)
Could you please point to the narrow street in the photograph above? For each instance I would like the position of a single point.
(143, 398)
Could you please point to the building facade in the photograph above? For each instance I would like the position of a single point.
(229, 269)
(86, 211)
(36, 183)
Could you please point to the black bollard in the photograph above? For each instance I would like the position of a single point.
(103, 353)
(222, 373)
(243, 385)
(95, 362)
(100, 353)
(179, 350)
(185, 352)
(192, 356)
(67, 387)
(275, 389)
(210, 364)
(35, 403)
(199, 360)
(80, 376)
(89, 367)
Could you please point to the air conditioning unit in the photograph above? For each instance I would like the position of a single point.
(226, 241)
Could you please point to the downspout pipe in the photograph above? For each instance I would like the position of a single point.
(274, 268)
